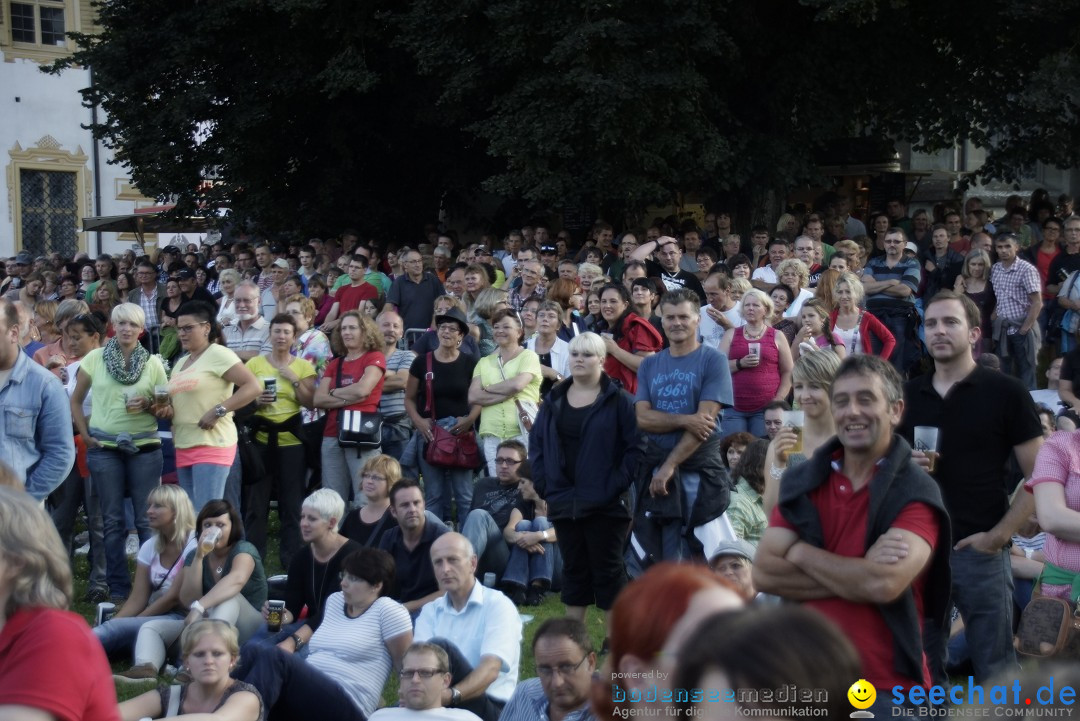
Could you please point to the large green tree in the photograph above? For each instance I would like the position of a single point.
(312, 113)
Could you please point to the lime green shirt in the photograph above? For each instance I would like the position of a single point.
(110, 397)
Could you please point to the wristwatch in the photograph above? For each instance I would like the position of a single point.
(545, 534)
(219, 411)
(298, 641)
(296, 384)
(455, 696)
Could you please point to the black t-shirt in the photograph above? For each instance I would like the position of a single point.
(413, 570)
(311, 582)
(571, 427)
(450, 381)
(675, 281)
(1070, 368)
(367, 534)
(1061, 266)
(980, 421)
(500, 500)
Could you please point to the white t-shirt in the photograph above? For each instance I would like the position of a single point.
(766, 274)
(711, 331)
(161, 577)
(72, 373)
(399, 713)
(1047, 397)
(352, 651)
(796, 305)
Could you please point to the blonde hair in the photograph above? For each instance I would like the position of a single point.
(762, 298)
(591, 270)
(854, 285)
(816, 369)
(176, 500)
(206, 626)
(307, 306)
(486, 300)
(328, 504)
(30, 543)
(740, 286)
(130, 312)
(798, 266)
(977, 253)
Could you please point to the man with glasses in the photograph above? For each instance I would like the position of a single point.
(490, 525)
(1019, 301)
(565, 662)
(425, 680)
(890, 282)
(249, 336)
(413, 293)
(245, 257)
(478, 627)
(146, 294)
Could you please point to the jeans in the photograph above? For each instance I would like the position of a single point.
(486, 537)
(1023, 352)
(286, 471)
(63, 505)
(901, 324)
(733, 421)
(115, 475)
(265, 637)
(203, 482)
(287, 683)
(982, 589)
(118, 635)
(525, 569)
(438, 484)
(341, 470)
(490, 445)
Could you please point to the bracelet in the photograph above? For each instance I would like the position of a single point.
(197, 606)
(297, 640)
(738, 364)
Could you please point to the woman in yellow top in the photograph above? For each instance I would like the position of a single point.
(283, 454)
(202, 403)
(506, 384)
(123, 449)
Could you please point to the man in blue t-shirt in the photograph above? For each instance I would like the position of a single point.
(681, 391)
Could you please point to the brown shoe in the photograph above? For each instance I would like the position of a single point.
(137, 674)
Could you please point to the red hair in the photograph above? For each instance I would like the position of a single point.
(644, 614)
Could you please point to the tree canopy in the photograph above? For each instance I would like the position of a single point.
(315, 114)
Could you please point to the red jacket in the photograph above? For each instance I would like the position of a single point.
(869, 326)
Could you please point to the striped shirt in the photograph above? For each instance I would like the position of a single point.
(352, 651)
(392, 405)
(530, 704)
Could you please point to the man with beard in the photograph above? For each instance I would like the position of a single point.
(983, 417)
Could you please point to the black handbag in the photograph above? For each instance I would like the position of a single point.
(357, 429)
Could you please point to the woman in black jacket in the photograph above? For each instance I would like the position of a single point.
(584, 451)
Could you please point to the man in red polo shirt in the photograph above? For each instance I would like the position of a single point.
(348, 297)
(860, 531)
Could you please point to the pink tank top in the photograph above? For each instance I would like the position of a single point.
(755, 387)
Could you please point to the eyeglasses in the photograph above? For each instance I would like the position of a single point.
(189, 328)
(506, 461)
(349, 578)
(425, 673)
(372, 477)
(563, 669)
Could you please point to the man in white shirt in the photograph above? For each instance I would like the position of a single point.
(425, 678)
(477, 626)
(765, 278)
(721, 312)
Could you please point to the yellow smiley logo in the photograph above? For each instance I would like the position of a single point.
(862, 694)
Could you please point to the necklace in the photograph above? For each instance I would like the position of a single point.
(753, 337)
(317, 597)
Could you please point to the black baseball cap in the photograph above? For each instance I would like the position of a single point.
(185, 274)
(548, 250)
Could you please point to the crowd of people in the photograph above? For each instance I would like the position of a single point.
(454, 431)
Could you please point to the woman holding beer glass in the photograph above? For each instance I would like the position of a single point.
(223, 578)
(760, 361)
(813, 376)
(210, 649)
(201, 391)
(123, 447)
(157, 569)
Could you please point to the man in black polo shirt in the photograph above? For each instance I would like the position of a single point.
(413, 293)
(410, 545)
(982, 417)
(666, 265)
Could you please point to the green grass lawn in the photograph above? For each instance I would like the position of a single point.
(551, 608)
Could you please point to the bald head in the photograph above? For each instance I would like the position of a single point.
(454, 560)
(391, 326)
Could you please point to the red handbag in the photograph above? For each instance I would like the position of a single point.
(445, 450)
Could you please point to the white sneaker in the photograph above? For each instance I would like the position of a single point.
(82, 550)
(132, 545)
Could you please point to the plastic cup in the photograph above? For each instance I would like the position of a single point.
(926, 440)
(794, 420)
(754, 349)
(209, 539)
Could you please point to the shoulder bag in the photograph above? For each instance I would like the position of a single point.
(361, 430)
(445, 449)
(526, 411)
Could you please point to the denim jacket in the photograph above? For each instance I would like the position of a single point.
(36, 437)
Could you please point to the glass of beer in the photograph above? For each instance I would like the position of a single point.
(794, 421)
(926, 440)
(209, 539)
(132, 401)
(161, 395)
(275, 615)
